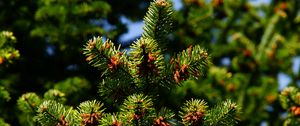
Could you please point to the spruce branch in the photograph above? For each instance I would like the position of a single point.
(267, 36)
(7, 52)
(289, 97)
(72, 85)
(191, 62)
(223, 114)
(117, 86)
(290, 101)
(111, 120)
(4, 94)
(55, 95)
(147, 62)
(164, 117)
(91, 112)
(158, 21)
(144, 67)
(113, 63)
(138, 110)
(29, 103)
(193, 112)
(104, 55)
(52, 113)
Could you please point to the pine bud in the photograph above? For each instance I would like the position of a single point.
(247, 53)
(2, 60)
(217, 3)
(295, 110)
(161, 3)
(91, 44)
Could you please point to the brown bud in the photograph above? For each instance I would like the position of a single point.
(172, 61)
(281, 13)
(176, 76)
(231, 87)
(161, 3)
(247, 53)
(2, 60)
(283, 6)
(150, 58)
(270, 54)
(190, 49)
(183, 68)
(270, 98)
(295, 110)
(107, 46)
(217, 3)
(116, 122)
(113, 62)
(91, 44)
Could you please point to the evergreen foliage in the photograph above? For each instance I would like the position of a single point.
(7, 55)
(290, 101)
(143, 68)
(163, 77)
(56, 14)
(158, 21)
(7, 51)
(250, 45)
(52, 113)
(2, 123)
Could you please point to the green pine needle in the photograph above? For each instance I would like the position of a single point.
(224, 114)
(52, 113)
(91, 112)
(29, 102)
(193, 112)
(158, 21)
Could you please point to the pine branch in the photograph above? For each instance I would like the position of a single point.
(193, 112)
(138, 110)
(114, 64)
(164, 118)
(111, 120)
(267, 36)
(91, 112)
(117, 86)
(104, 55)
(7, 52)
(158, 21)
(52, 113)
(29, 103)
(223, 114)
(147, 62)
(4, 94)
(289, 100)
(191, 62)
(55, 95)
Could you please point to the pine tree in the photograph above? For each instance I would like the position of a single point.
(135, 76)
(177, 72)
